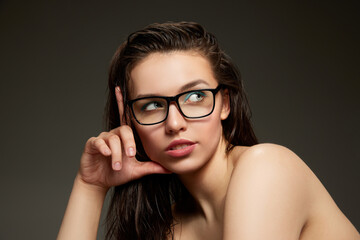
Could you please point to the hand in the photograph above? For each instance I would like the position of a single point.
(109, 159)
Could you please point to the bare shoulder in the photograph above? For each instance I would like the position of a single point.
(272, 189)
(271, 162)
(272, 169)
(265, 151)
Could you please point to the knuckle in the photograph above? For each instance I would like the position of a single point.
(90, 140)
(113, 137)
(127, 127)
(115, 130)
(98, 141)
(102, 134)
(126, 131)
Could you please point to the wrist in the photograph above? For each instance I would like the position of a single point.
(88, 187)
(83, 212)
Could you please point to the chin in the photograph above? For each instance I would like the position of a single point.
(183, 166)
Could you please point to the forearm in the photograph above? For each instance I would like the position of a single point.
(83, 212)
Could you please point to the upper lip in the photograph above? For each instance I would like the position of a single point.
(179, 142)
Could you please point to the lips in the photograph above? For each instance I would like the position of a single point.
(180, 148)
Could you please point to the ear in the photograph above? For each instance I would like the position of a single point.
(225, 110)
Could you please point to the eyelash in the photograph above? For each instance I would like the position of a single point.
(192, 93)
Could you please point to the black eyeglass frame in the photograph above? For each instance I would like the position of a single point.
(176, 100)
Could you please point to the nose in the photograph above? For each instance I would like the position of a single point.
(175, 121)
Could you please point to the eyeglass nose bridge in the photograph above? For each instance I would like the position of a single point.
(170, 100)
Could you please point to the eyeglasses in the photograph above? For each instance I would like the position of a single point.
(192, 104)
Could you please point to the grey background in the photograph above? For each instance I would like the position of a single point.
(299, 61)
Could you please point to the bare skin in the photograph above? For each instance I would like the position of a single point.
(271, 194)
(259, 192)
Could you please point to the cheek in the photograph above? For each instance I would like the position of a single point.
(209, 132)
(151, 140)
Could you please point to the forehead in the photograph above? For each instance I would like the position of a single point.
(166, 73)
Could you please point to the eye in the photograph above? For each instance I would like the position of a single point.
(194, 97)
(151, 106)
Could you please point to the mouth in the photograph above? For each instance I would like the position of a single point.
(179, 144)
(180, 148)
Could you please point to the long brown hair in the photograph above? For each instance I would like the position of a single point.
(141, 209)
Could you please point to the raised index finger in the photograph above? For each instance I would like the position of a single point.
(120, 103)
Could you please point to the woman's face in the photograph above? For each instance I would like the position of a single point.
(179, 144)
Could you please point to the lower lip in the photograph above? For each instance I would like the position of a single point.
(181, 152)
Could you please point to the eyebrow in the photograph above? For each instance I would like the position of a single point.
(187, 86)
(192, 84)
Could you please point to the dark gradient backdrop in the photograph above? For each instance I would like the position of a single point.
(299, 60)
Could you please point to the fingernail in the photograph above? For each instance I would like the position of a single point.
(131, 152)
(117, 166)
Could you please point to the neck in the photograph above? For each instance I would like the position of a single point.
(208, 185)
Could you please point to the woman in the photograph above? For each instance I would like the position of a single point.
(182, 157)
